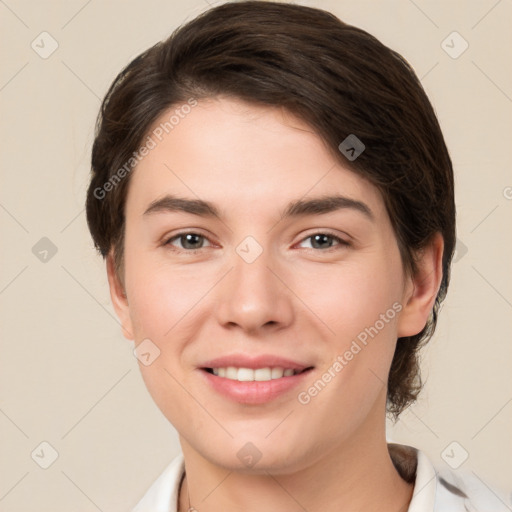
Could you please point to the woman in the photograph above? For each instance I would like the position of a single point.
(274, 199)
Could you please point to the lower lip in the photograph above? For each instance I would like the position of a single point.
(254, 392)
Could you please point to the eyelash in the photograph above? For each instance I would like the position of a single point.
(341, 242)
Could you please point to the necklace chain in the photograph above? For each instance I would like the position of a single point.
(190, 508)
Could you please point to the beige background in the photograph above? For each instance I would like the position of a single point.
(69, 378)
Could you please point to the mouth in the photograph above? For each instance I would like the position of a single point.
(256, 380)
(264, 374)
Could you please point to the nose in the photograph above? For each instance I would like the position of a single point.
(255, 296)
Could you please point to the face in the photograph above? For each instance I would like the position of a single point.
(233, 274)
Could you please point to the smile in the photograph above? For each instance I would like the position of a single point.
(254, 386)
(250, 374)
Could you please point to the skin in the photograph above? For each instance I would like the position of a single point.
(298, 300)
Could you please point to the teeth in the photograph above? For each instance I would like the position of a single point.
(245, 374)
(249, 375)
(277, 373)
(262, 374)
(231, 373)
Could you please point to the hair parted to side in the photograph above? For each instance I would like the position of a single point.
(336, 77)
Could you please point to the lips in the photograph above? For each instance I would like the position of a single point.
(253, 380)
(255, 362)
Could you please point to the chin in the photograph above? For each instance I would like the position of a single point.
(254, 457)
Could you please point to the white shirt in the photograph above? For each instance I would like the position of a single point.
(434, 490)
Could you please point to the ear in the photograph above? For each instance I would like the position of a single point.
(119, 298)
(421, 289)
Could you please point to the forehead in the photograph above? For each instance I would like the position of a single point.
(242, 156)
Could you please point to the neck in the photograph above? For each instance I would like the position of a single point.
(357, 475)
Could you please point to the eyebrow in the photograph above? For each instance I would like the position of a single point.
(301, 207)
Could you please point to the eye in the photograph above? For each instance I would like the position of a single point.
(324, 241)
(190, 241)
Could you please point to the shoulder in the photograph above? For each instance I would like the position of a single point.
(438, 489)
(467, 488)
(162, 496)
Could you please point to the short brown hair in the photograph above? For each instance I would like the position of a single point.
(336, 77)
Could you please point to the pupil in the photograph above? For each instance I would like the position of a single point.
(189, 239)
(321, 238)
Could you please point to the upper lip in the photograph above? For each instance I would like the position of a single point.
(261, 361)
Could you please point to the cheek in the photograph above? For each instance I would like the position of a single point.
(360, 305)
(351, 298)
(164, 306)
(159, 297)
(160, 307)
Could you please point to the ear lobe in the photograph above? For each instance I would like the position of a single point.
(119, 298)
(419, 302)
